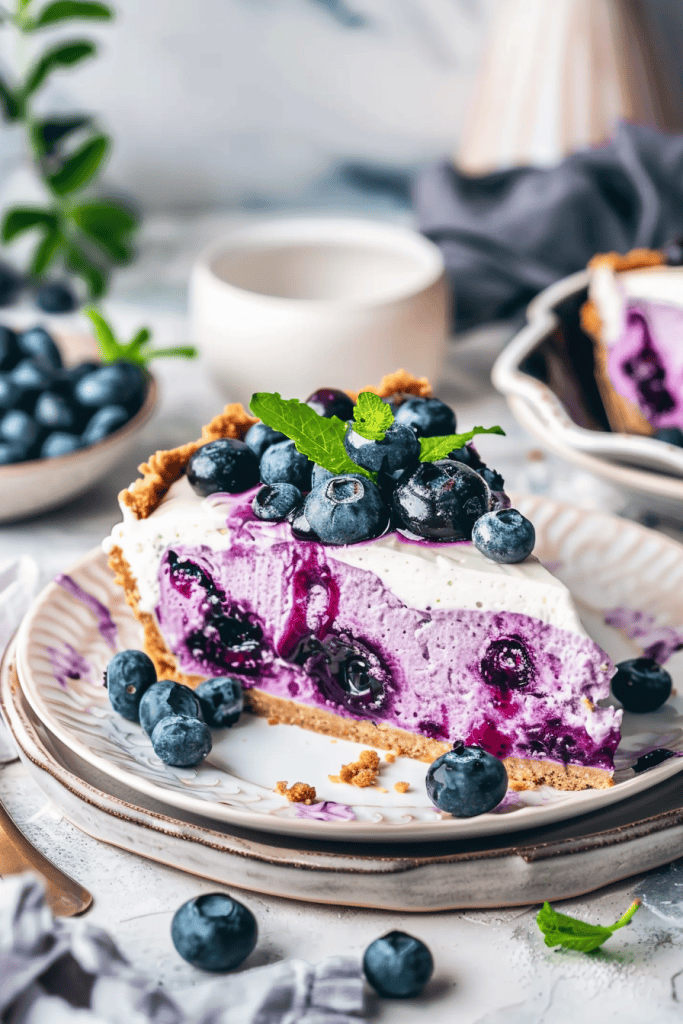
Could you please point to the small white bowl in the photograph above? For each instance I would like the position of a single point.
(295, 305)
(28, 488)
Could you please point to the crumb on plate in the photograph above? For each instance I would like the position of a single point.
(299, 793)
(401, 787)
(361, 773)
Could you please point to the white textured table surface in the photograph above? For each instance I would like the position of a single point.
(486, 962)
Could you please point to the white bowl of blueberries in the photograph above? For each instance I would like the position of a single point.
(62, 428)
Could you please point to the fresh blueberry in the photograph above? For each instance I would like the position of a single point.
(641, 684)
(70, 375)
(105, 421)
(329, 402)
(118, 383)
(9, 349)
(18, 428)
(55, 297)
(441, 500)
(469, 456)
(10, 283)
(32, 377)
(346, 510)
(11, 453)
(167, 698)
(224, 465)
(673, 253)
(221, 701)
(302, 529)
(10, 393)
(504, 536)
(128, 676)
(275, 502)
(398, 450)
(398, 966)
(466, 781)
(259, 437)
(180, 741)
(321, 476)
(428, 417)
(59, 443)
(651, 759)
(495, 481)
(214, 932)
(53, 412)
(671, 435)
(282, 463)
(36, 343)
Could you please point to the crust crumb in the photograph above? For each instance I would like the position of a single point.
(361, 773)
(401, 787)
(390, 758)
(381, 789)
(299, 793)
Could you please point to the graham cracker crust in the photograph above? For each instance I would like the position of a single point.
(623, 416)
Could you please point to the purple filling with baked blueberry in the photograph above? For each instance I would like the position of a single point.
(645, 365)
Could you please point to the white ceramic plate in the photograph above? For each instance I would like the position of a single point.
(618, 572)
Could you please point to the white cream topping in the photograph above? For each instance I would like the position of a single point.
(421, 575)
(611, 291)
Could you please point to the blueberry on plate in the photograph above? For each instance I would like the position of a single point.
(441, 500)
(180, 741)
(128, 676)
(651, 759)
(346, 510)
(10, 283)
(275, 502)
(222, 466)
(329, 402)
(282, 463)
(105, 421)
(9, 349)
(214, 932)
(36, 343)
(56, 297)
(54, 412)
(641, 685)
(504, 536)
(18, 428)
(221, 701)
(398, 966)
(428, 417)
(259, 437)
(117, 383)
(398, 450)
(167, 698)
(466, 781)
(671, 435)
(59, 443)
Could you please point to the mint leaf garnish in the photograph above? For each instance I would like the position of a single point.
(371, 416)
(562, 930)
(320, 439)
(135, 351)
(433, 448)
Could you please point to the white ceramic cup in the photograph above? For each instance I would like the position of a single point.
(296, 305)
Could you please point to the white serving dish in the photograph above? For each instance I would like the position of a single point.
(295, 305)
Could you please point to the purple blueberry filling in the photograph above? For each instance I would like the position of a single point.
(646, 370)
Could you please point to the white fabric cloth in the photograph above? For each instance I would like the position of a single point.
(59, 971)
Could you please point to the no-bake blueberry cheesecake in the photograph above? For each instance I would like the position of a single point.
(323, 556)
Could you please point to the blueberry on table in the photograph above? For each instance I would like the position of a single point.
(9, 348)
(275, 502)
(329, 402)
(671, 435)
(259, 437)
(398, 450)
(180, 741)
(56, 297)
(428, 417)
(466, 781)
(167, 698)
(346, 510)
(224, 465)
(441, 500)
(641, 685)
(54, 412)
(282, 463)
(128, 676)
(118, 383)
(214, 932)
(59, 443)
(398, 966)
(105, 421)
(504, 536)
(221, 701)
(36, 343)
(10, 283)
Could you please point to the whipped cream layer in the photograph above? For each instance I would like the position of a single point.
(430, 638)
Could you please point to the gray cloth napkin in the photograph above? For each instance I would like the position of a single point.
(507, 235)
(68, 972)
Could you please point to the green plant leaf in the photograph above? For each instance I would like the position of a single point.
(139, 340)
(22, 219)
(562, 930)
(48, 133)
(433, 448)
(63, 55)
(371, 416)
(104, 220)
(93, 274)
(320, 439)
(78, 169)
(109, 347)
(10, 102)
(45, 252)
(66, 10)
(176, 351)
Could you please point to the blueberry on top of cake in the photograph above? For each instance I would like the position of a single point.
(344, 590)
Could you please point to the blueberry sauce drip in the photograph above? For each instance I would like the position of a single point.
(652, 759)
(507, 664)
(646, 371)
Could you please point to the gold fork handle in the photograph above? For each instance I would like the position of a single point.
(65, 897)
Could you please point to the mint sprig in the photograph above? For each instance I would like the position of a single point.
(137, 350)
(433, 448)
(320, 439)
(562, 930)
(371, 416)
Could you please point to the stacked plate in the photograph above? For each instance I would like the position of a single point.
(546, 374)
(225, 820)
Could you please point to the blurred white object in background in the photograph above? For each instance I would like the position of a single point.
(295, 305)
(560, 74)
(18, 585)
